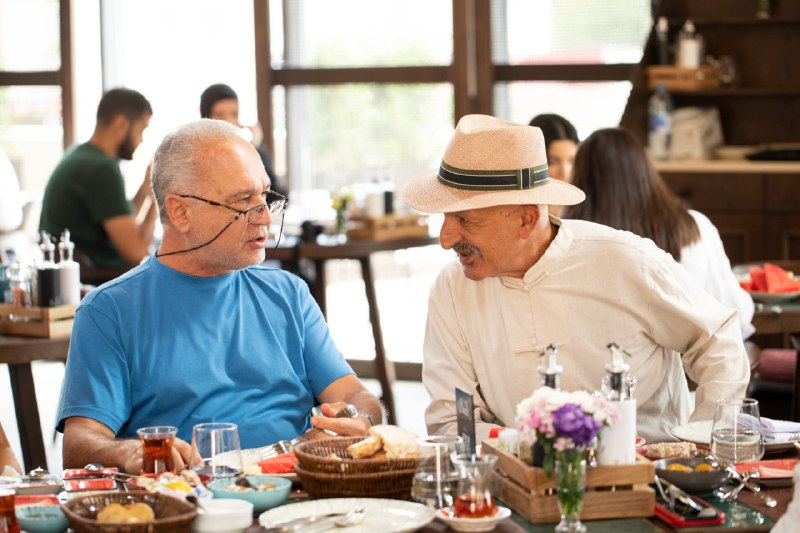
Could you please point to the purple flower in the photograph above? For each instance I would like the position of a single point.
(571, 422)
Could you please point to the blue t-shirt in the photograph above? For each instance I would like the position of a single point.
(158, 347)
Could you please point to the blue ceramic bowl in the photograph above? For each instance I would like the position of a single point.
(261, 499)
(42, 519)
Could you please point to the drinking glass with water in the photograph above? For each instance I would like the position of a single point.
(216, 452)
(736, 431)
(435, 477)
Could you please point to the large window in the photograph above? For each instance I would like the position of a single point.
(571, 57)
(355, 90)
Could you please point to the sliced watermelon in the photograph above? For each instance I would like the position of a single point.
(779, 280)
(281, 464)
(746, 285)
(758, 279)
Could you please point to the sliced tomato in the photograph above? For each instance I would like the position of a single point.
(779, 280)
(758, 279)
(281, 464)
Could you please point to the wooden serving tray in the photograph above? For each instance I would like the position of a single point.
(387, 227)
(49, 322)
(611, 491)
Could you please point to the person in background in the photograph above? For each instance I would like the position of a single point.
(86, 192)
(220, 102)
(7, 457)
(524, 280)
(561, 143)
(201, 331)
(624, 191)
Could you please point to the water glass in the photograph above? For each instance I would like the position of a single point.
(157, 448)
(474, 495)
(736, 431)
(216, 452)
(435, 476)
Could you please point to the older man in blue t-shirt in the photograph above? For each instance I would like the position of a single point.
(198, 333)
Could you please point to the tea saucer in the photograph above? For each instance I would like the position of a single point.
(472, 525)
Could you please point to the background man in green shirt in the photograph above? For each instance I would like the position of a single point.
(86, 192)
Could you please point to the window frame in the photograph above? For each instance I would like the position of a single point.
(63, 77)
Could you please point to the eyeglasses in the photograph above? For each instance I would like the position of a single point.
(275, 203)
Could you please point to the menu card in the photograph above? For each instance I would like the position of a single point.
(465, 415)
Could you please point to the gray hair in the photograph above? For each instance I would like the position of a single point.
(176, 163)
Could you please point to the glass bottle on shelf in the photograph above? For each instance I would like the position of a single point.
(659, 111)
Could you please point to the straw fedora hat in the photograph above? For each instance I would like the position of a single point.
(490, 162)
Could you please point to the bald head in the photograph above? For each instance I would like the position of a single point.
(180, 158)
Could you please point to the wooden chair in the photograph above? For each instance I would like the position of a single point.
(91, 274)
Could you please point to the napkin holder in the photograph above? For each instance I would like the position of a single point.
(48, 322)
(620, 491)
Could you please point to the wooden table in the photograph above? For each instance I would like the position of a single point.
(18, 353)
(328, 248)
(781, 319)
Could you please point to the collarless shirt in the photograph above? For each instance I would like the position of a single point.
(592, 286)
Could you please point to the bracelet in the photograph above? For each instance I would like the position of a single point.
(369, 418)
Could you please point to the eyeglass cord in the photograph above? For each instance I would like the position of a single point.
(280, 234)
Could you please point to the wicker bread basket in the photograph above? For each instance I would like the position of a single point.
(331, 456)
(172, 514)
(326, 469)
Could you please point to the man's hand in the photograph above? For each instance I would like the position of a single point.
(181, 454)
(342, 426)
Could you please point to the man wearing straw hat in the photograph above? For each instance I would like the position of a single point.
(525, 279)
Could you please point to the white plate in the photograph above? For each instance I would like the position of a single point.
(382, 516)
(700, 433)
(472, 525)
(774, 298)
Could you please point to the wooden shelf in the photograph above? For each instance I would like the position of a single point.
(741, 92)
(776, 21)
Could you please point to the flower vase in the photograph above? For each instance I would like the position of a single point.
(570, 473)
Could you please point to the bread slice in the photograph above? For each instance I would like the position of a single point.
(662, 450)
(365, 448)
(398, 443)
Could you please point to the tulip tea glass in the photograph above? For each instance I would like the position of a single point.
(216, 452)
(474, 496)
(435, 475)
(8, 516)
(157, 448)
(736, 431)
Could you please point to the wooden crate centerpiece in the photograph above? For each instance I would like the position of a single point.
(387, 227)
(49, 322)
(611, 491)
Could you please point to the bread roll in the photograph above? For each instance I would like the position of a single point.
(398, 443)
(365, 448)
(126, 514)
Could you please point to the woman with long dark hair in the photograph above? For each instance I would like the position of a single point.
(624, 191)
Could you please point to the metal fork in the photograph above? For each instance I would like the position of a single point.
(285, 446)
